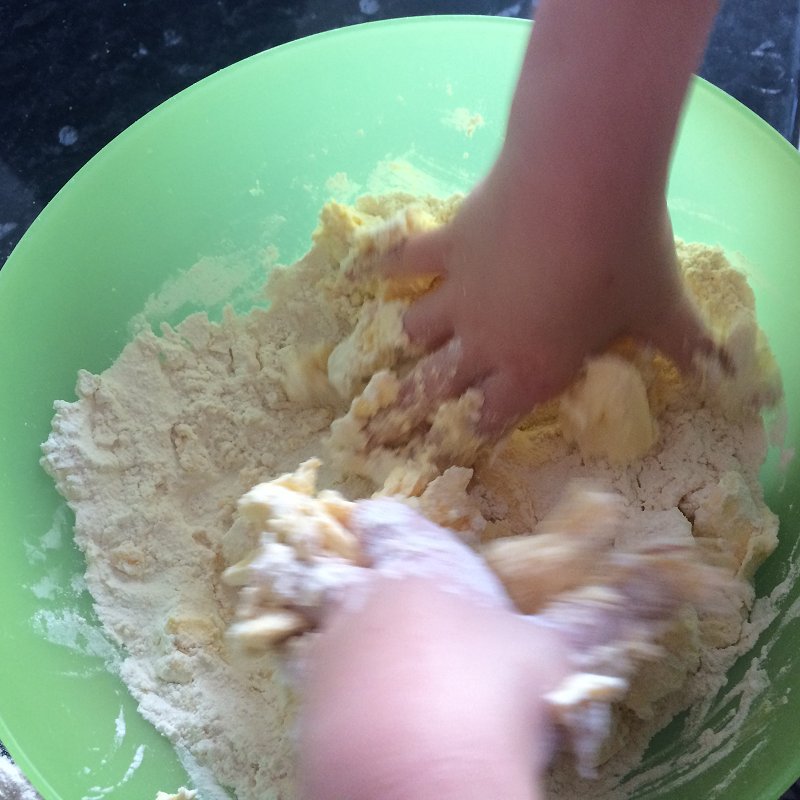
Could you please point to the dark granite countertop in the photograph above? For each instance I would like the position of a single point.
(75, 74)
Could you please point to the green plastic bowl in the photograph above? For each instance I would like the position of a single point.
(241, 160)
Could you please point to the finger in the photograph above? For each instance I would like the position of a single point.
(427, 322)
(683, 337)
(420, 254)
(507, 398)
(384, 526)
(439, 376)
(545, 657)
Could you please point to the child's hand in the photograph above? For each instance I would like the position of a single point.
(424, 684)
(536, 278)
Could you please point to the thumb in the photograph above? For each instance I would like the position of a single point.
(419, 254)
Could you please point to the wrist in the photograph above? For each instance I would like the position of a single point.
(602, 86)
(581, 208)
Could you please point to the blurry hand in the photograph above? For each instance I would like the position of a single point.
(424, 684)
(534, 279)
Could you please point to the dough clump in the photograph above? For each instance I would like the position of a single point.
(156, 452)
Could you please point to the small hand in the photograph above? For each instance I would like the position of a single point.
(425, 684)
(533, 280)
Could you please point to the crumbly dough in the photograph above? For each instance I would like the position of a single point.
(612, 604)
(156, 451)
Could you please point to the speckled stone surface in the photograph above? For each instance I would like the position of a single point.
(75, 73)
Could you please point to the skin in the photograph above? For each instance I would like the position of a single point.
(426, 688)
(417, 692)
(423, 696)
(425, 683)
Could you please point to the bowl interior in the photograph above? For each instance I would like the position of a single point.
(245, 159)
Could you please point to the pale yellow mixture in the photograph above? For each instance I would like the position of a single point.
(157, 451)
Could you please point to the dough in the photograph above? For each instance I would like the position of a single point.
(156, 451)
(607, 413)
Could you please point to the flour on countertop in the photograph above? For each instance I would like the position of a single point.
(156, 451)
(13, 785)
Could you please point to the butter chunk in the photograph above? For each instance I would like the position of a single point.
(607, 414)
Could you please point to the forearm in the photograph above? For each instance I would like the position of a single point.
(601, 89)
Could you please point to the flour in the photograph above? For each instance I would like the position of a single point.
(156, 451)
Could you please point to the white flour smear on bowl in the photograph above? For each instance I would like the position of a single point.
(158, 449)
(64, 616)
(720, 721)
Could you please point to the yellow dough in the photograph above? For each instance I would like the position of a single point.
(172, 460)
